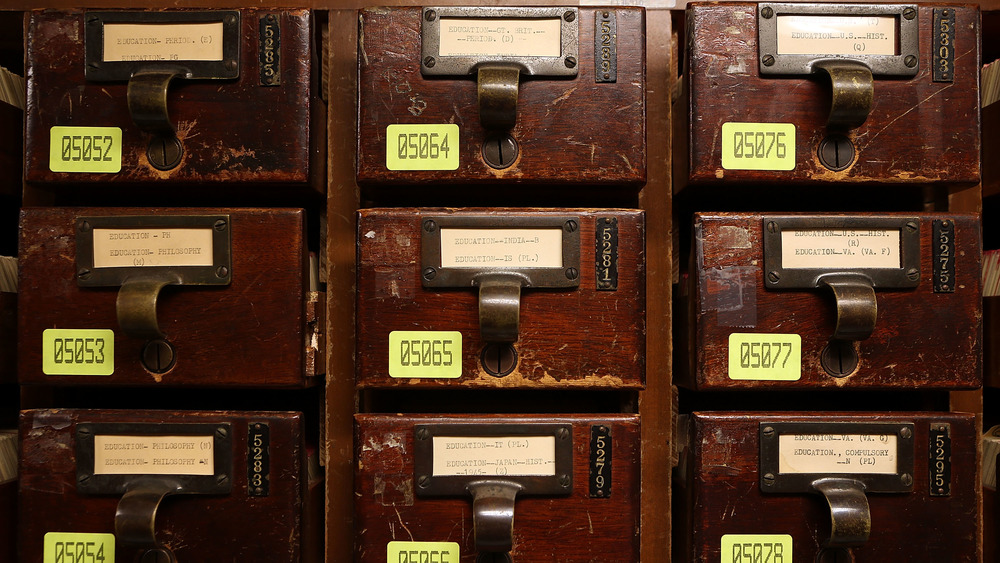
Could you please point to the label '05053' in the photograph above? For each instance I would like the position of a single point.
(78, 351)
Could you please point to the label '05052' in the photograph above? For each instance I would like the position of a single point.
(85, 149)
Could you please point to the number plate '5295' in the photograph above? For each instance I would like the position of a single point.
(758, 146)
(421, 147)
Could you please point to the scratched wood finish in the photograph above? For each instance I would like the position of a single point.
(195, 527)
(921, 338)
(574, 337)
(251, 333)
(721, 494)
(918, 131)
(571, 131)
(573, 528)
(238, 135)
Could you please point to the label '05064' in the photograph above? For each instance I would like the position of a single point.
(421, 147)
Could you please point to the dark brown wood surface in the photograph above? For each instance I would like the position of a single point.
(723, 495)
(251, 333)
(260, 529)
(238, 136)
(8, 337)
(574, 528)
(576, 337)
(918, 131)
(568, 130)
(921, 338)
(8, 520)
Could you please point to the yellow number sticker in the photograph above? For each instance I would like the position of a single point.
(758, 146)
(421, 552)
(425, 354)
(68, 547)
(421, 147)
(765, 357)
(756, 548)
(78, 352)
(85, 149)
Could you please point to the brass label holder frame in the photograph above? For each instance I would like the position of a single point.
(493, 496)
(141, 285)
(851, 76)
(135, 519)
(853, 288)
(845, 493)
(499, 287)
(498, 76)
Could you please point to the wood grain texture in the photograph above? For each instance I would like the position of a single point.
(921, 338)
(237, 134)
(251, 333)
(574, 528)
(568, 130)
(262, 529)
(723, 494)
(918, 131)
(573, 337)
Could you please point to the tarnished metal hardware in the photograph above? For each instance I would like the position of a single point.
(430, 485)
(853, 92)
(844, 489)
(605, 46)
(499, 286)
(140, 284)
(836, 152)
(97, 69)
(135, 519)
(147, 100)
(850, 516)
(498, 75)
(853, 288)
(493, 514)
(851, 74)
(500, 151)
(943, 32)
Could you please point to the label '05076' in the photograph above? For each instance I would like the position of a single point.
(758, 146)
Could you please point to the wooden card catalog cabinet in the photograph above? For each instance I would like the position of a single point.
(494, 95)
(508, 298)
(874, 301)
(862, 487)
(167, 296)
(811, 93)
(242, 88)
(99, 485)
(490, 487)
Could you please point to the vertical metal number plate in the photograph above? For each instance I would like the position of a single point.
(258, 459)
(600, 461)
(606, 232)
(605, 46)
(944, 45)
(939, 464)
(270, 50)
(944, 256)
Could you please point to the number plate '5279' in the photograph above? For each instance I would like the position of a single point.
(758, 146)
(421, 147)
(765, 357)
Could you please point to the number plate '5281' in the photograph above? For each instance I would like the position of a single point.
(758, 146)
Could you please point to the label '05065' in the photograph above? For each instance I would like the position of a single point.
(425, 354)
(421, 147)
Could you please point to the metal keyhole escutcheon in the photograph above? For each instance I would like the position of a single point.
(839, 358)
(836, 152)
(500, 151)
(499, 358)
(158, 356)
(164, 153)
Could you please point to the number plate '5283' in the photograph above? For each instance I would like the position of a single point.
(421, 147)
(758, 146)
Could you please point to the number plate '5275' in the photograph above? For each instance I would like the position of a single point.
(758, 146)
(765, 357)
(421, 147)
